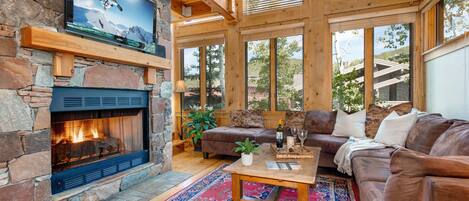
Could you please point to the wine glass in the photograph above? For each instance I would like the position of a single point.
(302, 134)
(294, 132)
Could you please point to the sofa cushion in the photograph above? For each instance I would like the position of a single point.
(328, 143)
(453, 142)
(374, 153)
(426, 131)
(372, 191)
(236, 118)
(295, 119)
(253, 119)
(247, 119)
(320, 121)
(231, 134)
(375, 114)
(371, 169)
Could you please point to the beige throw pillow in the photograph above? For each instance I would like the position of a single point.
(350, 125)
(394, 128)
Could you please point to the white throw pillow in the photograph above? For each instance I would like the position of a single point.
(394, 129)
(347, 125)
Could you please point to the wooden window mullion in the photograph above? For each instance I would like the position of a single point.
(369, 91)
(273, 75)
(203, 76)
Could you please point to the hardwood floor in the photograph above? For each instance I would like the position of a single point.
(193, 163)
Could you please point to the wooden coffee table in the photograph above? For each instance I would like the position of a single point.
(300, 179)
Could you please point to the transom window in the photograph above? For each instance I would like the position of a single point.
(453, 19)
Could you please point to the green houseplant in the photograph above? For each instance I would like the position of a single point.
(199, 120)
(246, 148)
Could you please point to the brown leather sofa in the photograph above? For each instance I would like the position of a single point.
(319, 124)
(411, 173)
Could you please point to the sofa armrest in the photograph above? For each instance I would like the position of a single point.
(410, 168)
(445, 188)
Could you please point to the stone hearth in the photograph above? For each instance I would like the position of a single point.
(26, 84)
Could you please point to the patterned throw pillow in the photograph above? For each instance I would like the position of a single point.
(295, 119)
(237, 118)
(253, 119)
(375, 115)
(247, 119)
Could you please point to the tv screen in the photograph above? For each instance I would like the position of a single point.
(130, 23)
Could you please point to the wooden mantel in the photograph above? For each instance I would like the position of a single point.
(67, 46)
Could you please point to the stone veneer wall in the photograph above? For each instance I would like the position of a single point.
(26, 83)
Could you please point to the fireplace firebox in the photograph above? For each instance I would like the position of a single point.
(96, 133)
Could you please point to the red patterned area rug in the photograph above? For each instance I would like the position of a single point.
(216, 186)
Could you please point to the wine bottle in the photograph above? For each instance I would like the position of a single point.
(279, 136)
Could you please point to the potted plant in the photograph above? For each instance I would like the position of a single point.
(199, 120)
(247, 148)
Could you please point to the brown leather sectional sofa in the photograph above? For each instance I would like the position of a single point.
(434, 165)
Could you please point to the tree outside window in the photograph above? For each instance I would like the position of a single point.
(289, 52)
(215, 76)
(191, 76)
(348, 70)
(455, 15)
(258, 75)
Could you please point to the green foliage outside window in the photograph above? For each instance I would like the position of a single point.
(288, 97)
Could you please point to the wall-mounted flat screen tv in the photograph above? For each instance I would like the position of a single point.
(129, 23)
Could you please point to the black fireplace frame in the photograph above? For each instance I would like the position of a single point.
(68, 99)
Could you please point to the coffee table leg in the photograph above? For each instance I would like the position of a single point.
(303, 192)
(237, 187)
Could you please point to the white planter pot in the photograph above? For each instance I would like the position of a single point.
(246, 159)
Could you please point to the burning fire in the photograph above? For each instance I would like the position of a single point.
(78, 137)
(82, 130)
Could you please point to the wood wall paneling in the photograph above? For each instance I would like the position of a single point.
(314, 18)
(369, 55)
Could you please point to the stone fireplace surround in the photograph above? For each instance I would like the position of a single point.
(26, 84)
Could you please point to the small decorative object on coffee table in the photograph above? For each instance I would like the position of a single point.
(247, 148)
(295, 152)
(300, 179)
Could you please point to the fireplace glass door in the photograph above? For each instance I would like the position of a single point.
(82, 137)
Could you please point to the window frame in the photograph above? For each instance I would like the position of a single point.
(182, 63)
(273, 93)
(302, 72)
(369, 51)
(202, 74)
(246, 75)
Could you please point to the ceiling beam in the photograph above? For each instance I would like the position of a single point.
(198, 8)
(223, 7)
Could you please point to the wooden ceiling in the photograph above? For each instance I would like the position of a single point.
(203, 8)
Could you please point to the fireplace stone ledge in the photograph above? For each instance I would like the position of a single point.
(107, 184)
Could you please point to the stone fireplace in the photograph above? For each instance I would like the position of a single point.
(96, 133)
(80, 138)
(37, 140)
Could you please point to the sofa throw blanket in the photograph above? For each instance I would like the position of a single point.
(342, 157)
